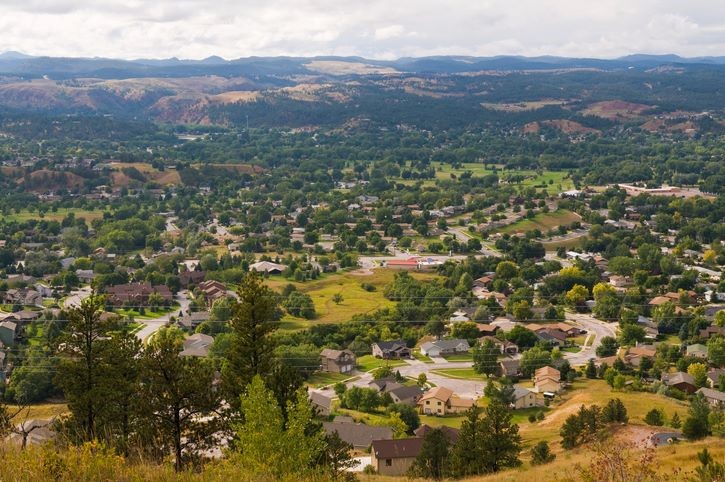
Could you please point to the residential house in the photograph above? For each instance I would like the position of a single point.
(189, 278)
(487, 330)
(697, 350)
(85, 275)
(321, 403)
(391, 350)
(213, 290)
(450, 433)
(136, 294)
(510, 368)
(192, 320)
(444, 347)
(716, 398)
(680, 380)
(408, 395)
(23, 296)
(523, 398)
(712, 330)
(713, 377)
(359, 435)
(337, 361)
(267, 267)
(442, 401)
(8, 332)
(410, 263)
(394, 457)
(547, 380)
(506, 347)
(554, 336)
(197, 345)
(384, 385)
(459, 316)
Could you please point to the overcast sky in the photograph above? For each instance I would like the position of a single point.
(381, 29)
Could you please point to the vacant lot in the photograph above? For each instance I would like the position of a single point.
(542, 221)
(58, 215)
(356, 300)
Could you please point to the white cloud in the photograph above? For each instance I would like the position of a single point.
(374, 28)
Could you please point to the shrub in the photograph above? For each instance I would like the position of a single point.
(655, 417)
(540, 454)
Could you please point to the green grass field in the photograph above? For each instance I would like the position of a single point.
(462, 373)
(542, 221)
(356, 300)
(322, 379)
(566, 244)
(459, 357)
(148, 314)
(369, 362)
(420, 357)
(25, 215)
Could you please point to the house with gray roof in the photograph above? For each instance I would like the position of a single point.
(359, 435)
(444, 347)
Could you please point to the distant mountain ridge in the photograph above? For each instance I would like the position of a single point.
(19, 64)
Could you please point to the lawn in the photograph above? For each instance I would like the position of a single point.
(356, 300)
(58, 215)
(148, 313)
(321, 379)
(566, 244)
(542, 221)
(368, 362)
(462, 373)
(420, 357)
(457, 357)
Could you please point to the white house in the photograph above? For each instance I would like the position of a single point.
(444, 347)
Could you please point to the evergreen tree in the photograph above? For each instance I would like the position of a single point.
(252, 349)
(432, 461)
(655, 417)
(591, 371)
(540, 454)
(696, 425)
(502, 442)
(178, 397)
(84, 365)
(675, 422)
(614, 411)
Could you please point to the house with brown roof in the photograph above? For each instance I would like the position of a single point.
(442, 401)
(408, 395)
(136, 294)
(547, 379)
(394, 457)
(487, 330)
(713, 377)
(680, 380)
(213, 290)
(337, 361)
(506, 347)
(510, 367)
(712, 330)
(188, 278)
(450, 432)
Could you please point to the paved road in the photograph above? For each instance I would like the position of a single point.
(471, 389)
(152, 326)
(75, 298)
(595, 327)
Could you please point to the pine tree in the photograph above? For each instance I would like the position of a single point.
(502, 442)
(541, 454)
(178, 397)
(675, 422)
(591, 371)
(696, 426)
(252, 349)
(84, 366)
(614, 411)
(432, 461)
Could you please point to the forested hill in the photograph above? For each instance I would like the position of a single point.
(575, 96)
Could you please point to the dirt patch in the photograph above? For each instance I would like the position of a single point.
(362, 272)
(571, 406)
(637, 435)
(616, 110)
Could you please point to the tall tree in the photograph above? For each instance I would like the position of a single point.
(178, 397)
(252, 349)
(432, 461)
(485, 358)
(83, 368)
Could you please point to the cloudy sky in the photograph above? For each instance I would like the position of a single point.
(371, 28)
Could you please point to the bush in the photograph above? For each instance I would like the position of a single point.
(540, 454)
(655, 417)
(532, 418)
